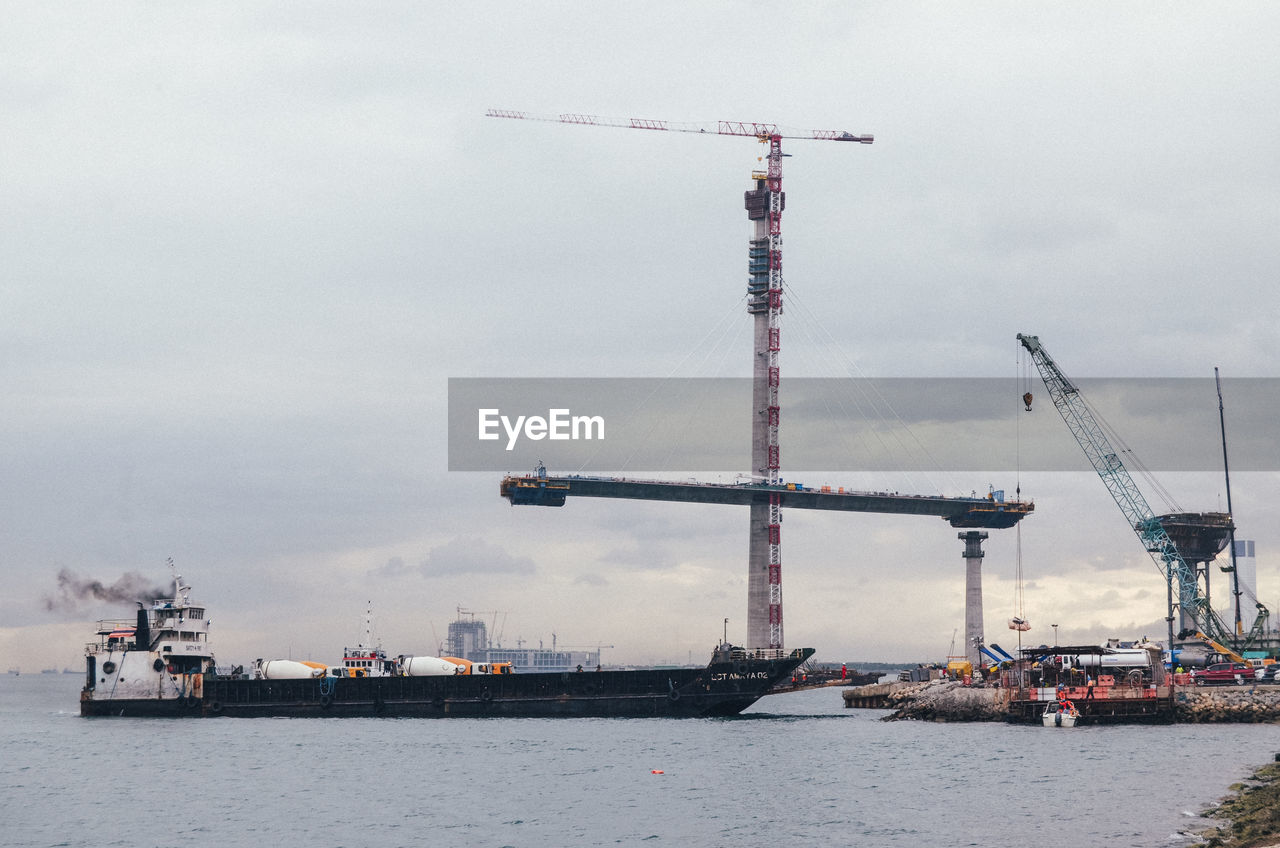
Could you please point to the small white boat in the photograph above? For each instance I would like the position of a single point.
(1060, 714)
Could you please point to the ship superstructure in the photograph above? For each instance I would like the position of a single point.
(161, 655)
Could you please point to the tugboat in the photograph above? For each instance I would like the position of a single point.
(162, 665)
(154, 666)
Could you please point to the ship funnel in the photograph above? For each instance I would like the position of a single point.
(142, 636)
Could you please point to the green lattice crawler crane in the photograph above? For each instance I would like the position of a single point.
(1206, 533)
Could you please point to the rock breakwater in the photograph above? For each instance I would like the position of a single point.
(1227, 704)
(942, 700)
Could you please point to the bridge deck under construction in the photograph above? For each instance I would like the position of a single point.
(988, 512)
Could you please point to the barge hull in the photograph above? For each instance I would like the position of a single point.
(719, 689)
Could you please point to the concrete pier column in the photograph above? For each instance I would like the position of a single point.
(973, 635)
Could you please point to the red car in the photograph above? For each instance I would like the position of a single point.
(1226, 672)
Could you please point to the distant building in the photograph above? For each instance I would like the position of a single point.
(469, 639)
(1247, 571)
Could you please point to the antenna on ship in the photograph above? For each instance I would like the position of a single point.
(179, 591)
(368, 624)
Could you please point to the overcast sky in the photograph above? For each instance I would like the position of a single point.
(245, 246)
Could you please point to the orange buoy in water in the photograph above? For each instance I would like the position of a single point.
(656, 771)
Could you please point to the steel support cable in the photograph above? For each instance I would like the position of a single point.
(840, 398)
(877, 401)
(698, 406)
(1124, 448)
(845, 434)
(1019, 363)
(1019, 602)
(1129, 453)
(718, 330)
(716, 335)
(1017, 422)
(871, 405)
(1133, 504)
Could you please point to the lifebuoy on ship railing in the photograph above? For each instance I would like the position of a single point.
(486, 695)
(674, 695)
(325, 701)
(109, 667)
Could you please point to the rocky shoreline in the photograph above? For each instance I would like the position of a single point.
(1251, 816)
(939, 700)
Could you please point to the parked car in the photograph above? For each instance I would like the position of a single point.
(1269, 673)
(1222, 673)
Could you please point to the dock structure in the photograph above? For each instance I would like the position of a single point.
(1125, 690)
(874, 696)
(1115, 704)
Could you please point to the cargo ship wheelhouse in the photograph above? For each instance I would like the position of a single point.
(154, 664)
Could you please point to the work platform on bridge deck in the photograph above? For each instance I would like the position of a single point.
(990, 512)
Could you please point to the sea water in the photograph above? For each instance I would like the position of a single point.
(797, 769)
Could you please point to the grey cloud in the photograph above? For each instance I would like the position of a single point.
(472, 555)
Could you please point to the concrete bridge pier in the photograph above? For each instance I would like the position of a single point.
(973, 635)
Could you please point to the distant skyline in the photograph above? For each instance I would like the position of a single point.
(245, 251)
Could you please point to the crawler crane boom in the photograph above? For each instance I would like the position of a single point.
(1107, 463)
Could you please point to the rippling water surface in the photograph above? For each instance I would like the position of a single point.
(799, 769)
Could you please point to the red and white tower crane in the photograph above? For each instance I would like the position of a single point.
(764, 301)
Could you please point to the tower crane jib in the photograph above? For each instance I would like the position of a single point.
(754, 129)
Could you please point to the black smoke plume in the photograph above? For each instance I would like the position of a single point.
(74, 591)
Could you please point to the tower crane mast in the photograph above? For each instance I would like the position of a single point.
(764, 302)
(1124, 490)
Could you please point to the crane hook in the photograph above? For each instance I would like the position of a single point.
(1026, 399)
